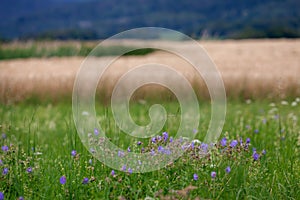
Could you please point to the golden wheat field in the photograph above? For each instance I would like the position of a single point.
(249, 68)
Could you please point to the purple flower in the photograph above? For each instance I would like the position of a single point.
(120, 153)
(253, 150)
(255, 156)
(195, 177)
(128, 149)
(248, 140)
(165, 136)
(130, 170)
(143, 149)
(5, 148)
(29, 170)
(1, 162)
(21, 198)
(153, 140)
(223, 142)
(213, 174)
(5, 171)
(152, 152)
(112, 172)
(256, 131)
(124, 168)
(204, 147)
(139, 143)
(63, 180)
(233, 143)
(96, 131)
(264, 152)
(85, 181)
(171, 139)
(228, 169)
(73, 153)
(1, 196)
(192, 145)
(160, 149)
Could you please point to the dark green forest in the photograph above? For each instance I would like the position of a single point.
(94, 19)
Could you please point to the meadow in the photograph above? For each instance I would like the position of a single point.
(256, 157)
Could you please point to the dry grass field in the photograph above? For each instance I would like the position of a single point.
(250, 69)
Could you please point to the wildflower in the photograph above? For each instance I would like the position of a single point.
(124, 168)
(153, 140)
(120, 153)
(227, 170)
(171, 139)
(130, 170)
(90, 161)
(160, 149)
(256, 130)
(96, 131)
(255, 156)
(1, 196)
(143, 149)
(213, 174)
(63, 180)
(5, 148)
(21, 198)
(195, 177)
(73, 153)
(85, 181)
(264, 152)
(253, 150)
(165, 136)
(128, 149)
(1, 162)
(139, 143)
(113, 172)
(233, 143)
(204, 147)
(248, 140)
(3, 136)
(29, 170)
(223, 141)
(152, 152)
(5, 171)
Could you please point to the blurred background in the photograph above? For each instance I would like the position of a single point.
(254, 43)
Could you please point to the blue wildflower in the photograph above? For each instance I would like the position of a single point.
(21, 198)
(248, 140)
(153, 140)
(29, 170)
(85, 180)
(171, 139)
(256, 131)
(227, 170)
(1, 196)
(139, 143)
(124, 168)
(96, 131)
(204, 147)
(112, 172)
(264, 152)
(63, 180)
(223, 142)
(160, 149)
(121, 153)
(5, 171)
(195, 177)
(253, 150)
(5, 148)
(128, 149)
(73, 153)
(130, 170)
(213, 174)
(1, 162)
(165, 136)
(233, 143)
(255, 156)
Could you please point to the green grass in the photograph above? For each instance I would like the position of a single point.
(33, 51)
(43, 136)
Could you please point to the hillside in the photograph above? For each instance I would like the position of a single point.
(92, 19)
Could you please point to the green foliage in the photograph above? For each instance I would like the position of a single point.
(43, 136)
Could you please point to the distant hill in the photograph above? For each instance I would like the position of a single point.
(92, 19)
